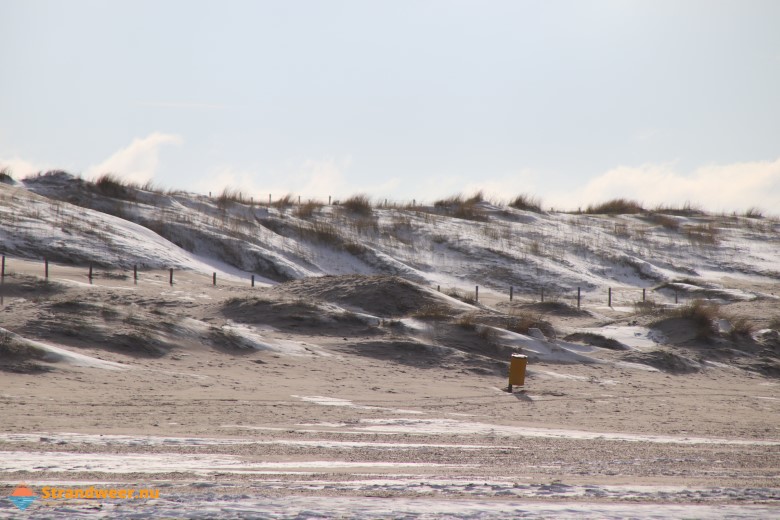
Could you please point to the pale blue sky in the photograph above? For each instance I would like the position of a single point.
(574, 101)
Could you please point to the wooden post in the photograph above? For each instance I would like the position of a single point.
(329, 196)
(170, 279)
(46, 268)
(511, 289)
(214, 279)
(90, 272)
(2, 270)
(675, 296)
(476, 293)
(135, 274)
(438, 288)
(644, 295)
(578, 298)
(253, 280)
(610, 296)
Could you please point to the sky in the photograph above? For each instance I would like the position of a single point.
(574, 102)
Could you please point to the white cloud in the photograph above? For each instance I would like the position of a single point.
(21, 168)
(736, 186)
(138, 161)
(229, 177)
(311, 179)
(319, 179)
(504, 188)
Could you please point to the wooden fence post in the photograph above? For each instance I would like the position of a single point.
(2, 271)
(510, 292)
(90, 273)
(46, 268)
(170, 279)
(135, 274)
(578, 298)
(675, 296)
(253, 280)
(476, 293)
(610, 296)
(644, 295)
(214, 279)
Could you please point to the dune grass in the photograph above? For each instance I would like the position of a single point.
(526, 202)
(618, 206)
(359, 204)
(462, 207)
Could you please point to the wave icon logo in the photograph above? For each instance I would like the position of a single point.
(22, 496)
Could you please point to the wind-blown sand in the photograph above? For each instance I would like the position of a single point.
(272, 402)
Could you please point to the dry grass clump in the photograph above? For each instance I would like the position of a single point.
(284, 202)
(686, 210)
(754, 212)
(463, 208)
(522, 323)
(359, 204)
(449, 202)
(231, 195)
(702, 233)
(307, 209)
(5, 176)
(665, 221)
(355, 248)
(701, 313)
(648, 308)
(467, 321)
(527, 202)
(774, 323)
(432, 312)
(112, 186)
(321, 232)
(741, 327)
(460, 295)
(615, 207)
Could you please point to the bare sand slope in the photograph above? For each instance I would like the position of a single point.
(324, 395)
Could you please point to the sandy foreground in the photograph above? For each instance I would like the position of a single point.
(355, 417)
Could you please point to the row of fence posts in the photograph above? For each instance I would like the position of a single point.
(330, 200)
(579, 295)
(214, 283)
(90, 274)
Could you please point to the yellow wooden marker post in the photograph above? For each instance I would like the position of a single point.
(517, 370)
